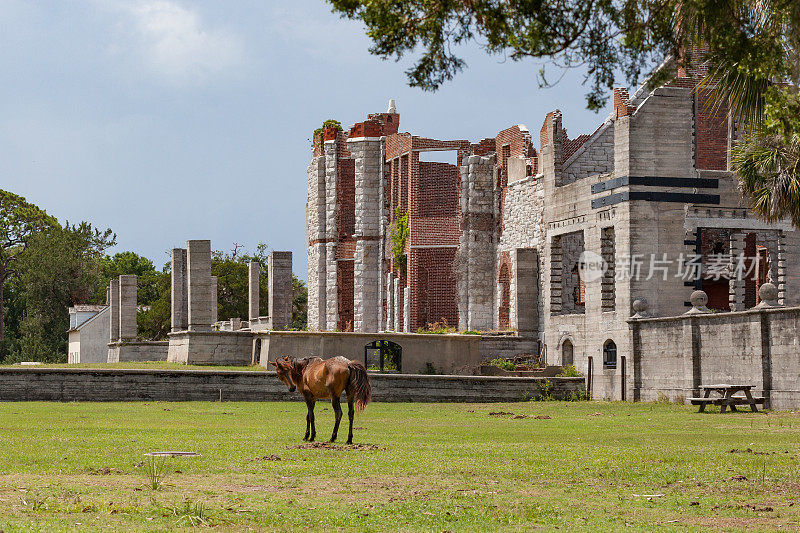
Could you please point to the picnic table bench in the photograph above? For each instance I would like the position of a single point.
(726, 397)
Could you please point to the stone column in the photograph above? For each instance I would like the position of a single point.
(367, 270)
(113, 303)
(316, 250)
(398, 326)
(214, 300)
(389, 326)
(476, 249)
(198, 269)
(781, 271)
(406, 309)
(127, 307)
(253, 291)
(279, 272)
(736, 286)
(179, 306)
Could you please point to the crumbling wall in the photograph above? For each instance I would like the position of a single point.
(594, 156)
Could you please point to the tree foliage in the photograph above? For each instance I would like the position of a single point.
(19, 223)
(60, 268)
(768, 161)
(604, 37)
(398, 235)
(751, 50)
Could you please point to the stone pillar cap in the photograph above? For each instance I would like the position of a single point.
(640, 306)
(768, 294)
(699, 299)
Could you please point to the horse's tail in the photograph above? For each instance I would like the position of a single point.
(359, 384)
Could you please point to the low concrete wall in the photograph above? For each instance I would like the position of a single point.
(78, 384)
(233, 348)
(446, 353)
(120, 352)
(507, 346)
(673, 356)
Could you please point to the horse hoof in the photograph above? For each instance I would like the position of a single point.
(350, 442)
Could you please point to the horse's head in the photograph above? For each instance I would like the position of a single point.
(285, 368)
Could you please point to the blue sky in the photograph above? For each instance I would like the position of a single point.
(173, 120)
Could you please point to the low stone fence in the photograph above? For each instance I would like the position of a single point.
(447, 354)
(82, 385)
(127, 351)
(234, 348)
(673, 356)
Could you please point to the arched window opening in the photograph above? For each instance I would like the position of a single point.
(567, 354)
(383, 355)
(610, 354)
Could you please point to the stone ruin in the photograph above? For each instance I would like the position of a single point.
(196, 335)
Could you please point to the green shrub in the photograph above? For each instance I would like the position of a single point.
(568, 371)
(505, 364)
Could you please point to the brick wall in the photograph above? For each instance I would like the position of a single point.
(346, 197)
(711, 134)
(434, 293)
(434, 217)
(345, 288)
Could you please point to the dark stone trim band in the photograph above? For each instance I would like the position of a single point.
(655, 196)
(655, 181)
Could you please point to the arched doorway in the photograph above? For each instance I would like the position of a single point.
(567, 353)
(383, 355)
(504, 311)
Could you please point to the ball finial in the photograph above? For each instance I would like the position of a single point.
(768, 294)
(698, 299)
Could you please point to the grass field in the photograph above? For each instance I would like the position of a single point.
(416, 467)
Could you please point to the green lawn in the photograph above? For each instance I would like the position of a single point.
(590, 466)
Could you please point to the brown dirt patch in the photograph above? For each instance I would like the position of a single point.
(272, 457)
(104, 471)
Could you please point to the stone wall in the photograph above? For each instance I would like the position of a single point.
(673, 356)
(121, 352)
(82, 385)
(445, 354)
(507, 346)
(595, 156)
(211, 347)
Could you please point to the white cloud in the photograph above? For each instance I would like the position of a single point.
(174, 41)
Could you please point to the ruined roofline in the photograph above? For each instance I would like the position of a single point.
(642, 93)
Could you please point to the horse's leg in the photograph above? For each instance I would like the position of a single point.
(350, 413)
(310, 421)
(337, 410)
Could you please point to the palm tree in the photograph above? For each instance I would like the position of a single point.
(753, 56)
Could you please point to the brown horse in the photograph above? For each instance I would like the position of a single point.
(316, 380)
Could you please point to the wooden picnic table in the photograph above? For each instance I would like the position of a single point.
(727, 397)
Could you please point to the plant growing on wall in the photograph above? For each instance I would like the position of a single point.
(399, 236)
(330, 123)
